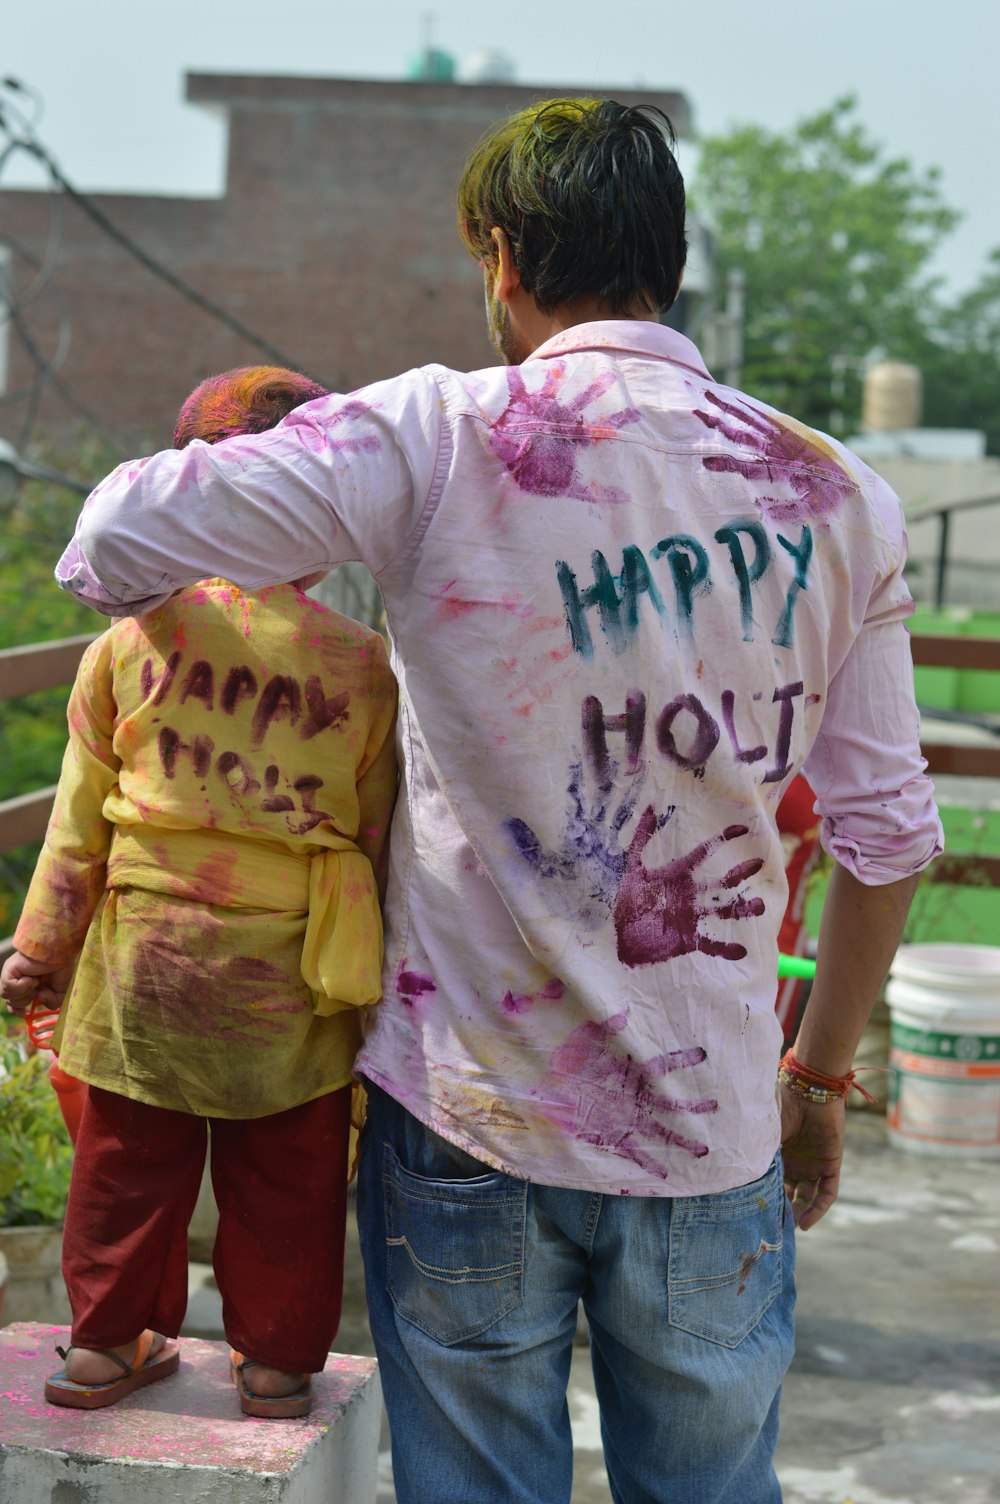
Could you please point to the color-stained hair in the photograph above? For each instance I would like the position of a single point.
(590, 196)
(249, 399)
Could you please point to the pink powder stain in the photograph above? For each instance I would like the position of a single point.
(412, 984)
(214, 876)
(542, 695)
(547, 624)
(531, 681)
(782, 452)
(451, 607)
(537, 437)
(524, 1002)
(605, 1097)
(318, 431)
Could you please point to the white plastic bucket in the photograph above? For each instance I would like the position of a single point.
(944, 1008)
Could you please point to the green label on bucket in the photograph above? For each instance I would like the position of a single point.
(946, 1046)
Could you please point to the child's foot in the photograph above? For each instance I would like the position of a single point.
(91, 1380)
(272, 1383)
(271, 1393)
(84, 1366)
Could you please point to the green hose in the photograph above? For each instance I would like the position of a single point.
(796, 966)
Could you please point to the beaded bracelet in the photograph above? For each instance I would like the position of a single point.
(813, 1086)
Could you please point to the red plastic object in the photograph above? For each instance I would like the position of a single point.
(71, 1094)
(41, 1025)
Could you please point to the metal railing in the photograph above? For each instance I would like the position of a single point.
(932, 650)
(42, 665)
(944, 515)
(50, 664)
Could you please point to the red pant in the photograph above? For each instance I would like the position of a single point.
(281, 1186)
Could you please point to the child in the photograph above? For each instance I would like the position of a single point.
(224, 799)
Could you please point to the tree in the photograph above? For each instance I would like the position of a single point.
(34, 529)
(960, 358)
(834, 239)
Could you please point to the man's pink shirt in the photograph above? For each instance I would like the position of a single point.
(626, 605)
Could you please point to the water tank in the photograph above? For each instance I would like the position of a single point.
(892, 396)
(431, 66)
(486, 67)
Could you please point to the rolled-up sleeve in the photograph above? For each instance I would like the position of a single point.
(340, 479)
(879, 818)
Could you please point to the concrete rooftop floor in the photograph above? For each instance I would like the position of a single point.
(894, 1396)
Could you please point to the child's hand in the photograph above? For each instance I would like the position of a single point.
(22, 980)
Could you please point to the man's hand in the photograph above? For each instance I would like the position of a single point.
(857, 940)
(22, 980)
(812, 1146)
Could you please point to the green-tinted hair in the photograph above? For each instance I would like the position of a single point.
(590, 195)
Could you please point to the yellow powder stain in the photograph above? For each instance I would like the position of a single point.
(816, 442)
(481, 1106)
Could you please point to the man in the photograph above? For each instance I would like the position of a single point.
(627, 605)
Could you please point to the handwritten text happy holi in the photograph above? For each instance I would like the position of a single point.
(616, 598)
(281, 698)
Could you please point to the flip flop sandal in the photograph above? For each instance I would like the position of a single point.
(61, 1390)
(280, 1407)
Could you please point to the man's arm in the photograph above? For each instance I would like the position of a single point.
(341, 478)
(860, 932)
(881, 825)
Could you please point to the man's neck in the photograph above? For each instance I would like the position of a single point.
(518, 326)
(535, 327)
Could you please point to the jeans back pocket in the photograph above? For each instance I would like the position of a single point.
(725, 1261)
(455, 1249)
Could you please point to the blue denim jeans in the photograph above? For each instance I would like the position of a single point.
(473, 1280)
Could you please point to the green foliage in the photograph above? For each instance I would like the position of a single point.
(834, 239)
(34, 528)
(35, 1152)
(960, 358)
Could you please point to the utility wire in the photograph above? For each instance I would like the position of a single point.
(47, 370)
(29, 143)
(44, 369)
(44, 268)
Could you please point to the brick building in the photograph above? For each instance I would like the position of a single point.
(334, 239)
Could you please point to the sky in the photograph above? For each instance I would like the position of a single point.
(111, 75)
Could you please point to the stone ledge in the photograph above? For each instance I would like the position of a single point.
(183, 1438)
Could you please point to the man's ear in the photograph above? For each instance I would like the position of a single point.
(507, 278)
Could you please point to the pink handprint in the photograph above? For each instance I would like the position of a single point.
(659, 911)
(600, 1093)
(537, 436)
(784, 452)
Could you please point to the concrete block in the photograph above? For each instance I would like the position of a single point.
(185, 1438)
(35, 1291)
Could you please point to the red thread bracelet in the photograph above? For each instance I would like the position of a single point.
(813, 1086)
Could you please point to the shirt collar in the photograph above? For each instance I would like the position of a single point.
(634, 336)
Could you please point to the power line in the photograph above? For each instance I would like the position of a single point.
(47, 371)
(28, 142)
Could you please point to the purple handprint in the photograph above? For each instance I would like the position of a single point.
(659, 911)
(537, 437)
(784, 452)
(583, 873)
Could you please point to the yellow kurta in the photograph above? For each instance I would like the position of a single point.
(224, 797)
